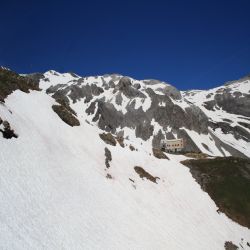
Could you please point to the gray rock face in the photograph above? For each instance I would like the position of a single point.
(109, 119)
(172, 92)
(237, 131)
(234, 103)
(36, 77)
(168, 89)
(76, 92)
(190, 146)
(157, 139)
(125, 86)
(107, 116)
(198, 121)
(174, 116)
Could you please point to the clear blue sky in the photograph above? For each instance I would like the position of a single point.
(191, 44)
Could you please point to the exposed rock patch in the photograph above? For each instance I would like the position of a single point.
(10, 81)
(230, 246)
(6, 130)
(66, 115)
(120, 140)
(144, 174)
(197, 155)
(108, 157)
(232, 103)
(109, 176)
(205, 146)
(125, 86)
(237, 131)
(108, 138)
(159, 154)
(190, 146)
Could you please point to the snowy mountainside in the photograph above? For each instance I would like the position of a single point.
(228, 109)
(57, 190)
(156, 110)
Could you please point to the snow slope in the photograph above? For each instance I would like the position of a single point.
(54, 192)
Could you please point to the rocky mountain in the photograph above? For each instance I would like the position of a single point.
(81, 165)
(215, 122)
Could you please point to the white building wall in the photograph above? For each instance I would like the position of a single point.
(173, 145)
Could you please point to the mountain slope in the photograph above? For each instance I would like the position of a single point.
(228, 110)
(154, 110)
(57, 191)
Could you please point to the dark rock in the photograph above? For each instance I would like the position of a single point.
(120, 140)
(11, 81)
(189, 145)
(156, 142)
(125, 86)
(206, 146)
(108, 138)
(52, 89)
(197, 121)
(36, 77)
(76, 92)
(168, 89)
(159, 154)
(227, 120)
(137, 85)
(131, 147)
(169, 136)
(172, 92)
(108, 117)
(109, 176)
(210, 105)
(209, 95)
(197, 155)
(108, 157)
(118, 99)
(235, 105)
(91, 109)
(95, 90)
(7, 131)
(124, 83)
(144, 174)
(66, 105)
(111, 84)
(144, 131)
(230, 246)
(66, 115)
